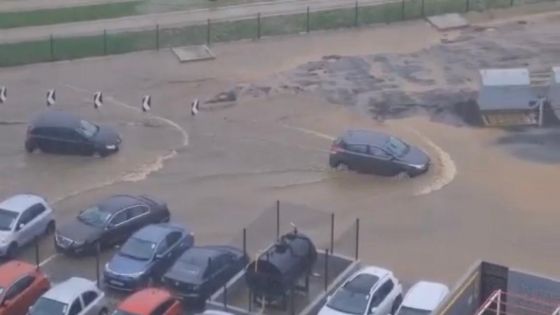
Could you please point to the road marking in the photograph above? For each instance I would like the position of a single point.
(310, 132)
(448, 169)
(46, 261)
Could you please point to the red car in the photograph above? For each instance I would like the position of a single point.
(150, 301)
(21, 284)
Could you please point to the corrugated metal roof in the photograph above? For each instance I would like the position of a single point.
(506, 97)
(505, 77)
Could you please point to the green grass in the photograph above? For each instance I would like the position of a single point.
(435, 7)
(66, 15)
(386, 13)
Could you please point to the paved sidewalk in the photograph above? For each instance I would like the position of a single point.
(174, 18)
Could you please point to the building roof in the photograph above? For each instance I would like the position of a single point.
(68, 290)
(144, 301)
(425, 295)
(19, 203)
(13, 270)
(506, 98)
(505, 77)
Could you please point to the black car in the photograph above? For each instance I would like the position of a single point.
(61, 132)
(110, 222)
(200, 271)
(375, 152)
(146, 255)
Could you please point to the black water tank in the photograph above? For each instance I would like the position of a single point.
(278, 269)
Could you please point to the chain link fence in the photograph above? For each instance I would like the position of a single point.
(122, 41)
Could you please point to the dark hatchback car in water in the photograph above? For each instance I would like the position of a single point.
(56, 131)
(146, 256)
(378, 153)
(200, 271)
(109, 222)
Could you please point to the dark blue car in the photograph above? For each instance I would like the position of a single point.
(146, 256)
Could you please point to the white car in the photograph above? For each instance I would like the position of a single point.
(23, 218)
(370, 291)
(75, 296)
(423, 298)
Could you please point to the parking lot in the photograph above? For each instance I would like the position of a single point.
(484, 197)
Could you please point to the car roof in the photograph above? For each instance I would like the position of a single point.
(144, 301)
(360, 136)
(67, 291)
(20, 203)
(118, 202)
(13, 270)
(376, 271)
(156, 232)
(56, 118)
(425, 295)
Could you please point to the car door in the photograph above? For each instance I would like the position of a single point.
(89, 299)
(39, 222)
(24, 229)
(138, 216)
(357, 156)
(164, 256)
(78, 143)
(218, 272)
(380, 162)
(381, 300)
(117, 229)
(168, 307)
(19, 296)
(76, 307)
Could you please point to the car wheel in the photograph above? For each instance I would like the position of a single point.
(341, 166)
(30, 146)
(103, 312)
(396, 305)
(103, 153)
(12, 250)
(50, 228)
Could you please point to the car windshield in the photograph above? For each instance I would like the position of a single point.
(192, 264)
(413, 311)
(94, 216)
(45, 306)
(395, 146)
(87, 129)
(119, 312)
(138, 249)
(353, 297)
(7, 220)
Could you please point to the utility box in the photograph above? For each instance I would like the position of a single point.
(507, 98)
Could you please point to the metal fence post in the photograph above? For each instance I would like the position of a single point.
(357, 240)
(356, 14)
(37, 256)
(250, 306)
(307, 23)
(208, 32)
(423, 8)
(225, 296)
(104, 42)
(511, 3)
(277, 219)
(51, 41)
(467, 5)
(332, 232)
(258, 25)
(245, 241)
(403, 10)
(97, 263)
(326, 269)
(157, 36)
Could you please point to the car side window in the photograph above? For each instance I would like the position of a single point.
(163, 308)
(377, 152)
(382, 293)
(162, 248)
(88, 297)
(358, 148)
(37, 210)
(138, 211)
(119, 217)
(26, 217)
(75, 308)
(19, 286)
(172, 238)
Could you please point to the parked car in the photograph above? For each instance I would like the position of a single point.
(110, 222)
(56, 131)
(22, 219)
(75, 296)
(200, 271)
(215, 312)
(146, 256)
(423, 298)
(375, 152)
(21, 284)
(150, 301)
(370, 291)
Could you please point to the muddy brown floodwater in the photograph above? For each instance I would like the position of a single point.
(490, 195)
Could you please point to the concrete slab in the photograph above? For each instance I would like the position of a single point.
(193, 53)
(446, 22)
